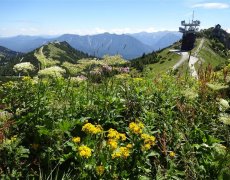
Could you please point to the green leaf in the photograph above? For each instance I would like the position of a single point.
(143, 177)
(44, 131)
(153, 153)
(197, 146)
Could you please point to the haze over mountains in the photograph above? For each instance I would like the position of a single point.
(128, 45)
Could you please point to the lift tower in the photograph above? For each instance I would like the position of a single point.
(189, 34)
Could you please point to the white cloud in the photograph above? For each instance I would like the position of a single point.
(228, 30)
(212, 5)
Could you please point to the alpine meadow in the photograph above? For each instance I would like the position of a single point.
(124, 101)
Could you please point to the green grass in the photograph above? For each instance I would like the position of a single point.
(46, 62)
(168, 60)
(208, 56)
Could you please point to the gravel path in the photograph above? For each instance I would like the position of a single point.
(192, 61)
(184, 57)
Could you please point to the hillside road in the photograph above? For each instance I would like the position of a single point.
(192, 61)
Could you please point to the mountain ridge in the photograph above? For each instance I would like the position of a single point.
(98, 45)
(156, 38)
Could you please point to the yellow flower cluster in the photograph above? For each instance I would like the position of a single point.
(146, 147)
(100, 170)
(124, 151)
(84, 151)
(149, 141)
(76, 139)
(136, 128)
(172, 154)
(112, 143)
(129, 146)
(113, 134)
(93, 129)
(116, 154)
(121, 152)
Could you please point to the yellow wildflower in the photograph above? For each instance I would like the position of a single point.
(122, 136)
(121, 152)
(144, 136)
(112, 143)
(129, 146)
(113, 134)
(146, 147)
(141, 125)
(148, 139)
(84, 151)
(76, 139)
(100, 170)
(124, 151)
(172, 154)
(116, 154)
(90, 128)
(136, 128)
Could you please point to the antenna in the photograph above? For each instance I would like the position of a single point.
(192, 15)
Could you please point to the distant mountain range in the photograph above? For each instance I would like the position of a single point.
(51, 54)
(158, 40)
(65, 54)
(128, 45)
(112, 44)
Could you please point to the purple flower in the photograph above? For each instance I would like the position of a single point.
(124, 69)
(107, 68)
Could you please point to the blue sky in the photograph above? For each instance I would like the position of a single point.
(53, 17)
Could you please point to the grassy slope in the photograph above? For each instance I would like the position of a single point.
(45, 61)
(60, 54)
(168, 59)
(208, 56)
